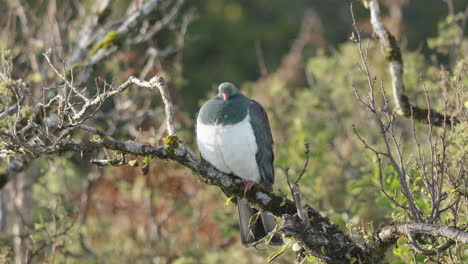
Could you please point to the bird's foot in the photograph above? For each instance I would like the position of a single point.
(248, 185)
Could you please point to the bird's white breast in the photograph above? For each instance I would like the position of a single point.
(230, 148)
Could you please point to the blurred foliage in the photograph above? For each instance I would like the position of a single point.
(223, 39)
(85, 214)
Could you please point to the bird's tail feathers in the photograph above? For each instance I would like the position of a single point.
(259, 229)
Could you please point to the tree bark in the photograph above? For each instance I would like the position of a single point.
(22, 204)
(3, 210)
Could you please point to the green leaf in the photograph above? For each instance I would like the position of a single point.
(276, 254)
(283, 202)
(402, 241)
(36, 77)
(228, 201)
(348, 256)
(311, 258)
(323, 250)
(146, 159)
(133, 163)
(421, 259)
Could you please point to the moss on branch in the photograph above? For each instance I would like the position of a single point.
(171, 143)
(112, 38)
(393, 53)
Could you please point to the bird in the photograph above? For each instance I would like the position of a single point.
(234, 135)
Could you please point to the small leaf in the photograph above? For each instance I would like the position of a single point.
(276, 254)
(283, 202)
(402, 241)
(146, 159)
(228, 201)
(323, 250)
(133, 163)
(36, 77)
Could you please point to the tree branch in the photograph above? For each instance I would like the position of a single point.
(393, 56)
(393, 232)
(389, 234)
(316, 235)
(321, 234)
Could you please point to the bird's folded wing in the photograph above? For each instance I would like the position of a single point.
(261, 127)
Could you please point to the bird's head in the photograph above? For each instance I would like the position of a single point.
(227, 90)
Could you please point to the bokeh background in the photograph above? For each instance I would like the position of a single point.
(295, 57)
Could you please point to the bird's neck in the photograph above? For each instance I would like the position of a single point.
(224, 112)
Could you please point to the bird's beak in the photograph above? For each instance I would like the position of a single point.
(225, 96)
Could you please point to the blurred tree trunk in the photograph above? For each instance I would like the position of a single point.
(3, 210)
(22, 205)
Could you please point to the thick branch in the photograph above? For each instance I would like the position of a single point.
(393, 56)
(319, 237)
(393, 232)
(315, 234)
(388, 235)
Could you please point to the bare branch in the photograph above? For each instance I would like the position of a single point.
(386, 131)
(337, 244)
(101, 46)
(393, 56)
(306, 163)
(166, 97)
(406, 229)
(168, 18)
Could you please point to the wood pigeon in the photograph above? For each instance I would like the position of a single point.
(233, 134)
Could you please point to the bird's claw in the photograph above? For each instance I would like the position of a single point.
(248, 185)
